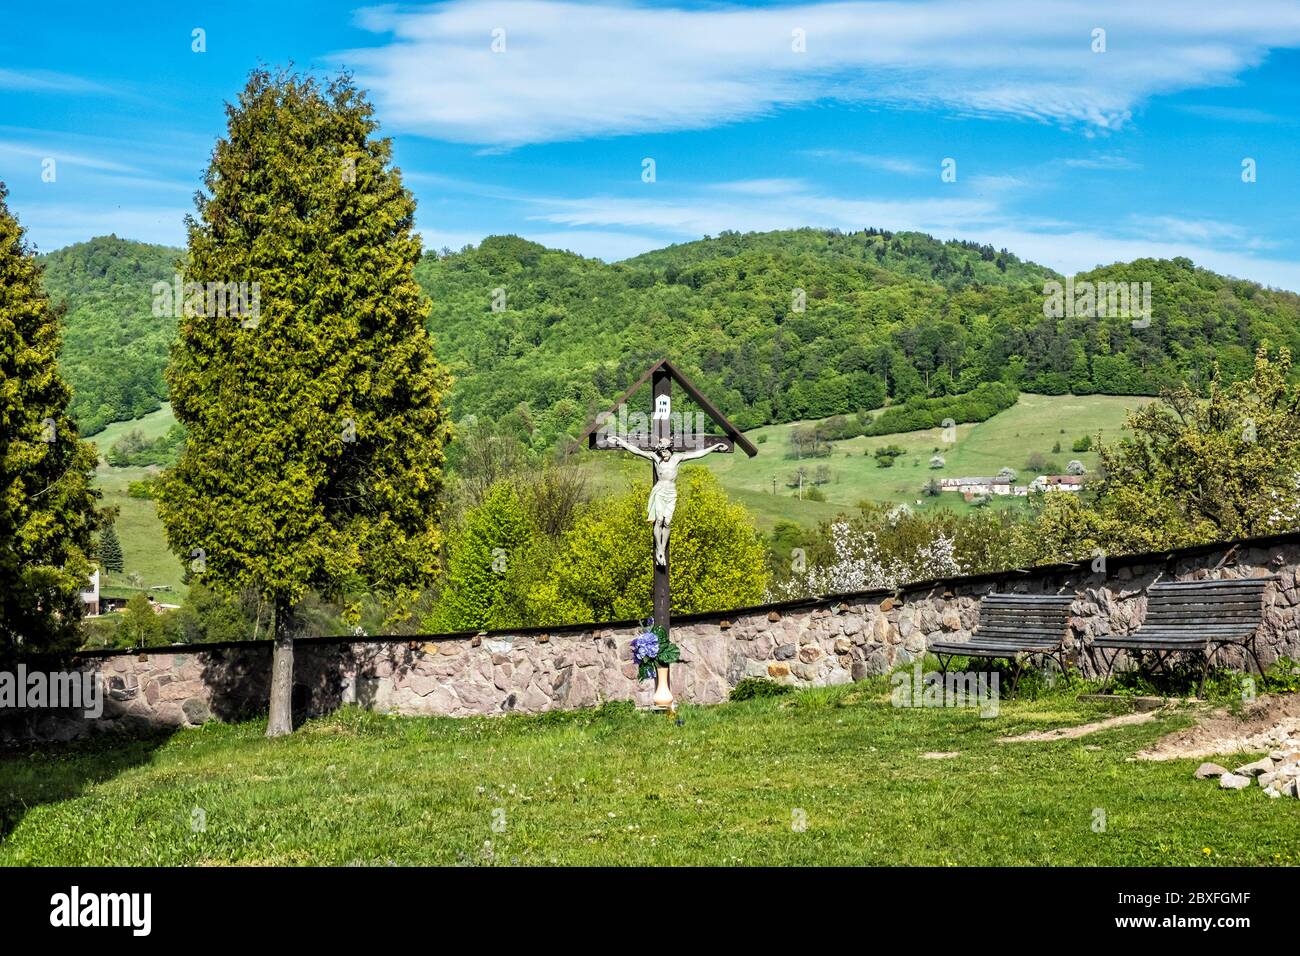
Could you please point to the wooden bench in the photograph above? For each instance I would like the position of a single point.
(1193, 616)
(1014, 626)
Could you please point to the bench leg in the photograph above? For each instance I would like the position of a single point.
(944, 661)
(1058, 658)
(1259, 668)
(1208, 655)
(1092, 657)
(1015, 678)
(1062, 662)
(1110, 666)
(1039, 659)
(1161, 658)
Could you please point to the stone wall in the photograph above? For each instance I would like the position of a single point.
(833, 640)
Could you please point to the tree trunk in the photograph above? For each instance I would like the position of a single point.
(280, 721)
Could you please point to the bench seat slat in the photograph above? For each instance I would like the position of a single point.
(1057, 623)
(1041, 618)
(978, 649)
(1038, 610)
(1192, 604)
(1002, 622)
(1056, 627)
(1001, 652)
(1191, 618)
(1139, 642)
(1054, 614)
(1013, 639)
(1216, 583)
(1139, 638)
(1205, 628)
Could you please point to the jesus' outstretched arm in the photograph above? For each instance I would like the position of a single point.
(618, 442)
(701, 452)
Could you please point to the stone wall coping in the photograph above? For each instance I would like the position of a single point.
(1009, 575)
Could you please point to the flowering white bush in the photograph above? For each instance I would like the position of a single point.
(860, 565)
(1285, 515)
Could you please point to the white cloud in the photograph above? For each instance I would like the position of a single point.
(1101, 161)
(574, 70)
(1233, 114)
(765, 187)
(1078, 250)
(889, 164)
(709, 214)
(47, 81)
(1177, 228)
(999, 184)
(61, 156)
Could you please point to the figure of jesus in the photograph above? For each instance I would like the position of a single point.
(663, 496)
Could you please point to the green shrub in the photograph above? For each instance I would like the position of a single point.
(751, 688)
(1282, 677)
(886, 454)
(100, 631)
(142, 488)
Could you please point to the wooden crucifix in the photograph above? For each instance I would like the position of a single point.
(666, 439)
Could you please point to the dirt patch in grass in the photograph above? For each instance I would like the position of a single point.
(1081, 730)
(1262, 725)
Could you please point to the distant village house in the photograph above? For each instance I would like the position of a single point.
(974, 487)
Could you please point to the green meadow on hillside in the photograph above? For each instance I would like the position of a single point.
(144, 548)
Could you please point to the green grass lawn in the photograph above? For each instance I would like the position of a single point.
(1036, 423)
(614, 786)
(144, 549)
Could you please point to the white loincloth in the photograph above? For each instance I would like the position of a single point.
(663, 502)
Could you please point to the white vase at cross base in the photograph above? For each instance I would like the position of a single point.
(663, 695)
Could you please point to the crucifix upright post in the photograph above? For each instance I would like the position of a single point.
(663, 385)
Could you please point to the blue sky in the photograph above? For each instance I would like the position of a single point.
(1064, 154)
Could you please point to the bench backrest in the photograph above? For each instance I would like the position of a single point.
(1033, 619)
(1195, 604)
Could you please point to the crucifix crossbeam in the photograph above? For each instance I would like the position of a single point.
(689, 442)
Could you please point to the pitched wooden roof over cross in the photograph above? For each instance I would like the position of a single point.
(662, 374)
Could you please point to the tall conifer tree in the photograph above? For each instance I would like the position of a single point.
(110, 549)
(315, 426)
(47, 506)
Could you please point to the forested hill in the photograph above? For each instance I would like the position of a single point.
(114, 349)
(886, 316)
(914, 254)
(539, 338)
